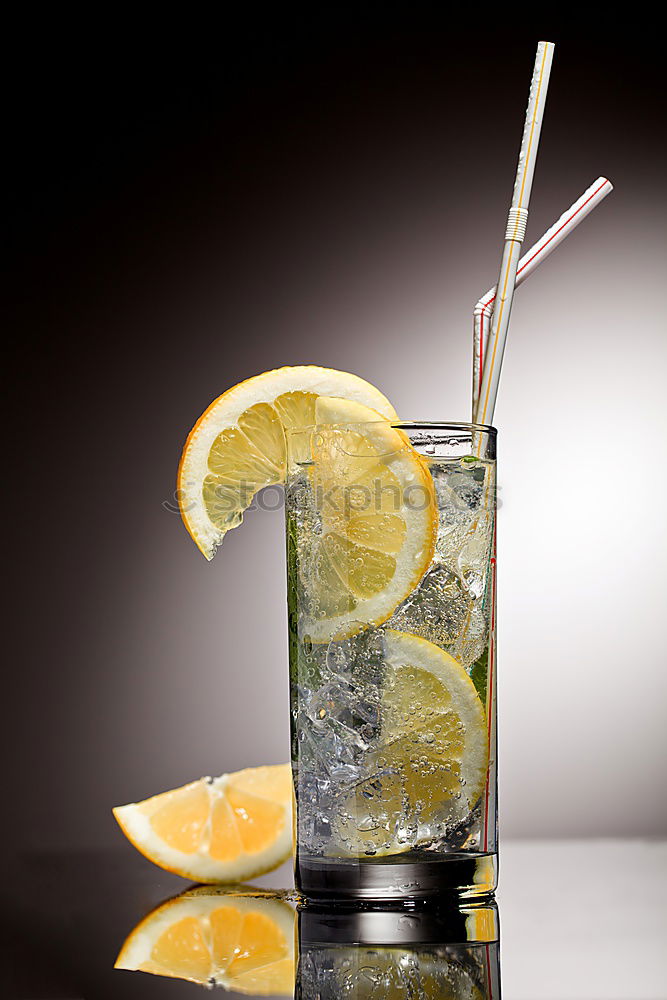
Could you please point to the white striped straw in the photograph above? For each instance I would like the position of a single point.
(537, 254)
(515, 232)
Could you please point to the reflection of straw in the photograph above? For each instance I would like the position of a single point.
(538, 253)
(515, 232)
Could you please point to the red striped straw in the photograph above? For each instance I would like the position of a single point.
(537, 254)
(514, 233)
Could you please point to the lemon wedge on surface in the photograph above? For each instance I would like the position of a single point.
(362, 521)
(431, 760)
(222, 829)
(237, 447)
(238, 941)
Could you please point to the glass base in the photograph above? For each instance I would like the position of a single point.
(411, 876)
(399, 923)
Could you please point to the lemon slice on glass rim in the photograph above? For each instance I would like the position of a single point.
(366, 560)
(237, 447)
(362, 520)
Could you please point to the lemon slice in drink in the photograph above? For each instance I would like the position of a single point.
(429, 768)
(237, 447)
(363, 521)
(222, 829)
(241, 942)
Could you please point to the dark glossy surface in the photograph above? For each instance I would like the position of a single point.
(65, 917)
(579, 919)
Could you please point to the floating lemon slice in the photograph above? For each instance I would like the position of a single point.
(222, 829)
(362, 521)
(428, 769)
(238, 941)
(237, 447)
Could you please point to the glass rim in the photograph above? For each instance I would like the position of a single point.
(415, 425)
(451, 425)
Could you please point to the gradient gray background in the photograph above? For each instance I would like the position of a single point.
(334, 192)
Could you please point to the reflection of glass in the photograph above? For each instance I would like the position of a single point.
(241, 939)
(428, 954)
(391, 569)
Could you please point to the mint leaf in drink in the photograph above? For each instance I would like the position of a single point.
(479, 672)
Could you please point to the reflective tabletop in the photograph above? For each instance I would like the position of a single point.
(572, 920)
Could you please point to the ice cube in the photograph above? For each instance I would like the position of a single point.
(437, 610)
(328, 742)
(443, 610)
(471, 641)
(360, 657)
(465, 522)
(370, 813)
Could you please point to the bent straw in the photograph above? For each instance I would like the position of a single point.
(537, 254)
(515, 232)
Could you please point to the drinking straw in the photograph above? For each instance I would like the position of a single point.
(537, 254)
(515, 232)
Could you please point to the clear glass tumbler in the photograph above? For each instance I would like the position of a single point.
(391, 604)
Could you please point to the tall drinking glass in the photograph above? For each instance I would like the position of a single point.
(391, 603)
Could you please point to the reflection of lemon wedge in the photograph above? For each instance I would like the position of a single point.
(362, 521)
(237, 447)
(433, 757)
(242, 942)
(222, 829)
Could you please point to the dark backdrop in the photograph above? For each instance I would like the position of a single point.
(188, 204)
